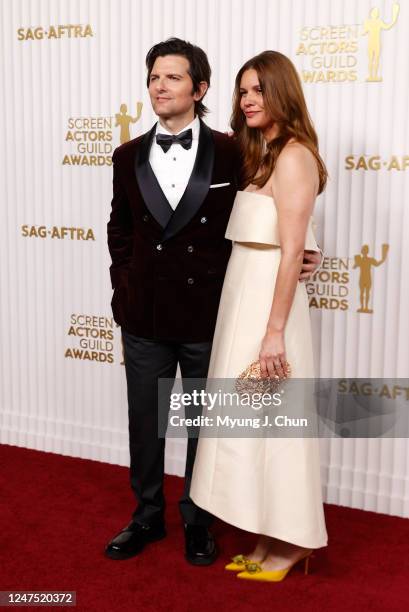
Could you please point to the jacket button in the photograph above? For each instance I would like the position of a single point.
(190, 281)
(203, 220)
(190, 249)
(159, 247)
(145, 218)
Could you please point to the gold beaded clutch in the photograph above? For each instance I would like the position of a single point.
(251, 381)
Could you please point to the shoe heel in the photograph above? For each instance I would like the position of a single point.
(307, 563)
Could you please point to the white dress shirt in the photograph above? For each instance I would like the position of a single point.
(173, 168)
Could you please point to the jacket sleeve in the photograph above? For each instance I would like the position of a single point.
(120, 230)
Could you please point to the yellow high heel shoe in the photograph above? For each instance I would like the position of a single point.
(254, 571)
(238, 563)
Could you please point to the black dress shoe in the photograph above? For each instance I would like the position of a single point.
(201, 548)
(132, 540)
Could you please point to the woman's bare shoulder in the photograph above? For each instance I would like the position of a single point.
(296, 167)
(296, 154)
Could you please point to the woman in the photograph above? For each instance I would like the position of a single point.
(269, 486)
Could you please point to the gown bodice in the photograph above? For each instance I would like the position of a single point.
(254, 219)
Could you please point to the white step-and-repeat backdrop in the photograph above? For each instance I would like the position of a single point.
(73, 88)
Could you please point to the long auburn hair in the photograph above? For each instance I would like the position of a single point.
(284, 102)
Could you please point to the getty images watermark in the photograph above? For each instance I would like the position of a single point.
(212, 401)
(348, 408)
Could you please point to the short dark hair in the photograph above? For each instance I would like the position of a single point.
(199, 67)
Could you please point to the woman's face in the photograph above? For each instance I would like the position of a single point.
(251, 101)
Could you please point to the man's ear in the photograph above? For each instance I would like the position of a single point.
(203, 87)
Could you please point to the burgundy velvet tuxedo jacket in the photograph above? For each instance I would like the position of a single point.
(168, 266)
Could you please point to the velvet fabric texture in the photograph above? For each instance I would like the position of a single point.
(168, 266)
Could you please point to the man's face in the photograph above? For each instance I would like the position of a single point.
(171, 87)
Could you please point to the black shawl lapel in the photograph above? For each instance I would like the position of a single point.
(198, 186)
(152, 194)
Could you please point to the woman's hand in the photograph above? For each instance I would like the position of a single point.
(272, 356)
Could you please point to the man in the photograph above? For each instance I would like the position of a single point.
(173, 192)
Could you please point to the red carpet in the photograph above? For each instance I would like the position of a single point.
(57, 513)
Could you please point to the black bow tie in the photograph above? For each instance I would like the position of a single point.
(166, 140)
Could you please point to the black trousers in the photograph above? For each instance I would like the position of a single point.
(145, 362)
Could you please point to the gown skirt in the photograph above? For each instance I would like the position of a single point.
(267, 485)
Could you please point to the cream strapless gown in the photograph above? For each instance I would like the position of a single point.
(268, 486)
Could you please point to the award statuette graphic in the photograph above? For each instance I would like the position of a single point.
(365, 263)
(123, 120)
(373, 26)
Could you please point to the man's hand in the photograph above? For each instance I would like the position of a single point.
(311, 263)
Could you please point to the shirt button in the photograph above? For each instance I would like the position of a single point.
(190, 281)
(145, 218)
(172, 185)
(190, 248)
(159, 247)
(174, 159)
(203, 220)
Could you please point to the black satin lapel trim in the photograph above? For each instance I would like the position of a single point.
(198, 186)
(150, 189)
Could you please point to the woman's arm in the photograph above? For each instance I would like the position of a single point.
(294, 187)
